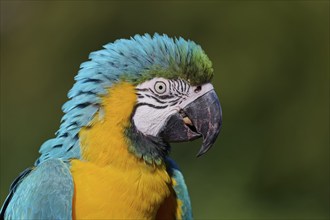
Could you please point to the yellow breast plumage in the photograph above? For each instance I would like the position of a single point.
(108, 193)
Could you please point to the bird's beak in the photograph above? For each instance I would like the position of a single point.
(199, 118)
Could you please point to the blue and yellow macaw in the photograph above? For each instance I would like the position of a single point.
(109, 159)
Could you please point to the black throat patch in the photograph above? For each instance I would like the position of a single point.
(151, 149)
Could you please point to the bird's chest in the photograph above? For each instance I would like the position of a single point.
(109, 193)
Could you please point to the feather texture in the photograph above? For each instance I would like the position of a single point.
(48, 186)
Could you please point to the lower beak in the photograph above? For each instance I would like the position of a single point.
(200, 118)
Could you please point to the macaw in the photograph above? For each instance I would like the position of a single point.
(110, 157)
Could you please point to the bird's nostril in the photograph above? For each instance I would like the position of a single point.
(198, 89)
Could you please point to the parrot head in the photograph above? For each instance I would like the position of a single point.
(174, 98)
(176, 111)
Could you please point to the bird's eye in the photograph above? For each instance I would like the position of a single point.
(160, 87)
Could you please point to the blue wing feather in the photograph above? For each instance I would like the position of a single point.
(45, 192)
(180, 189)
(12, 190)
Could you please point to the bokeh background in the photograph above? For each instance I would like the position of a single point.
(271, 62)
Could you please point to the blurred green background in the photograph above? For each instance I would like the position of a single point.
(271, 61)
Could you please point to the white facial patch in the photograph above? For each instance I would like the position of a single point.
(160, 98)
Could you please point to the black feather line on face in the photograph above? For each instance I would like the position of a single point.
(170, 86)
(158, 100)
(150, 105)
(181, 85)
(142, 90)
(162, 96)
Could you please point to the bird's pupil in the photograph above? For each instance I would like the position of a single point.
(160, 87)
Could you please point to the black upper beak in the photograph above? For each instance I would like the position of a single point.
(206, 116)
(200, 118)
